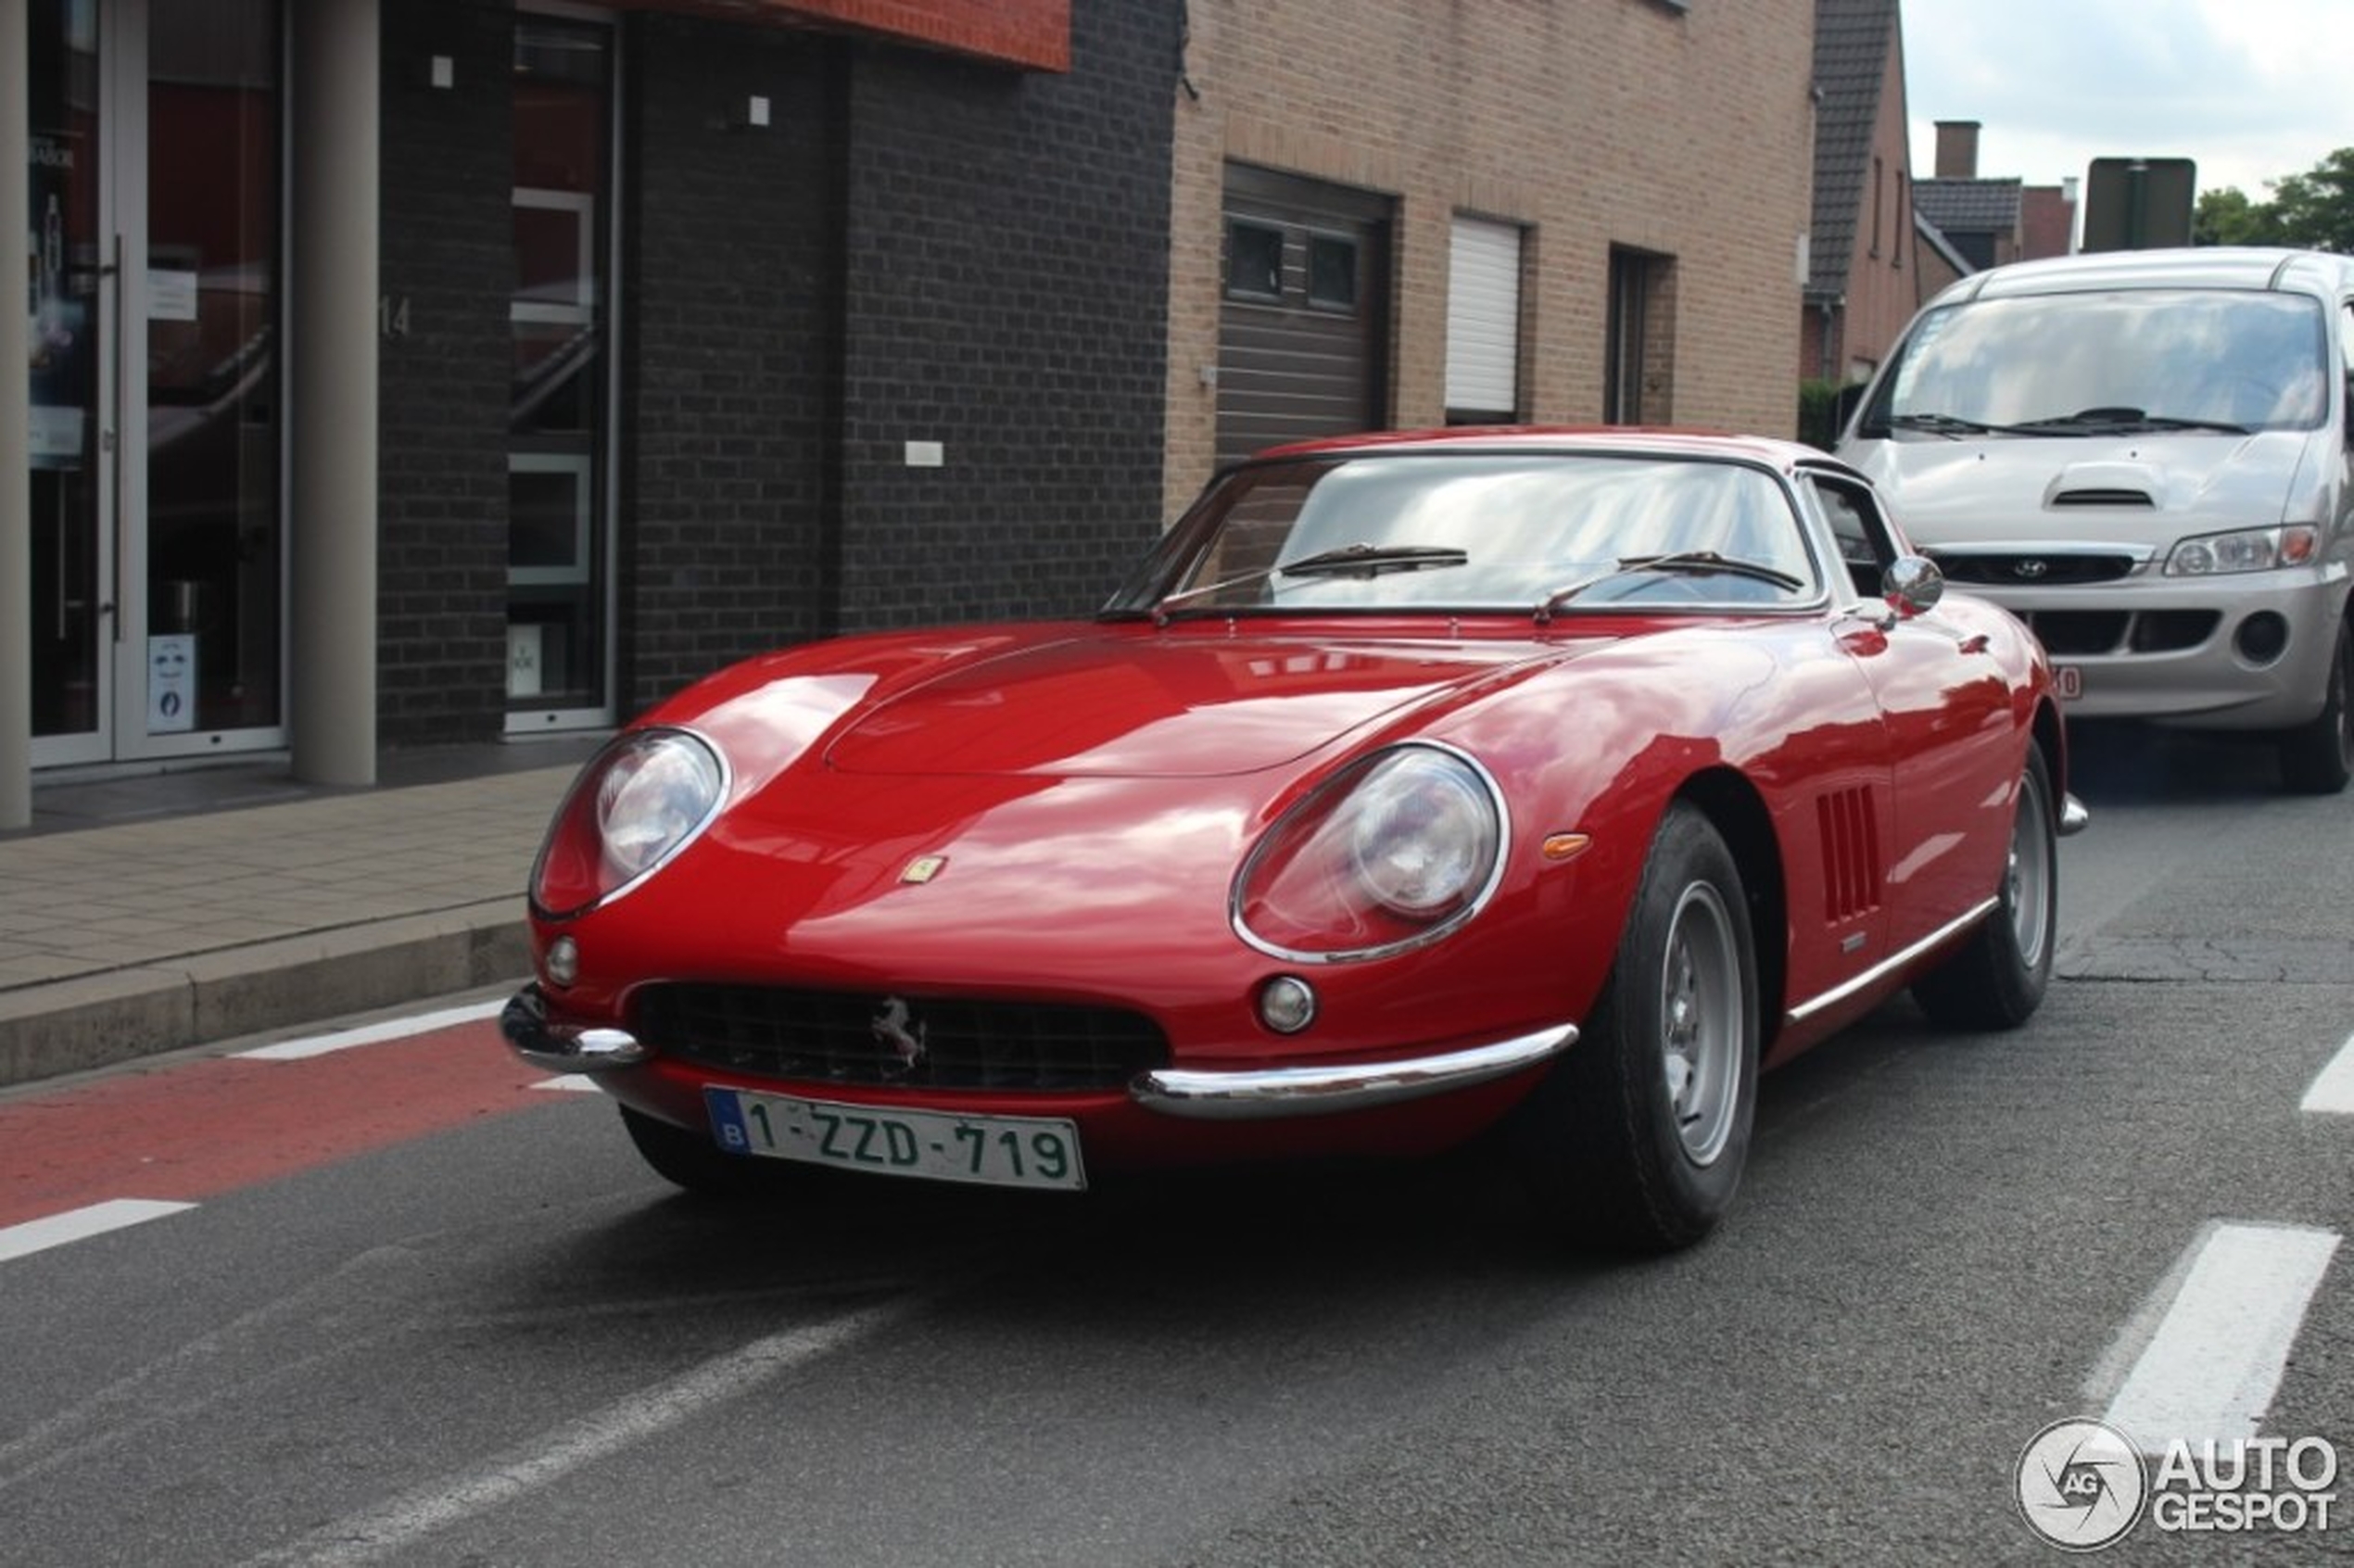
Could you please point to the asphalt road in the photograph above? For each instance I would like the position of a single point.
(421, 1312)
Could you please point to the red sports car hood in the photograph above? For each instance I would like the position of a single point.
(1121, 705)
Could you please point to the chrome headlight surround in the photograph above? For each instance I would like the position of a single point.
(1392, 853)
(2245, 550)
(648, 794)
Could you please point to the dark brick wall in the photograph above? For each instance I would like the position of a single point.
(918, 246)
(1007, 295)
(731, 305)
(448, 165)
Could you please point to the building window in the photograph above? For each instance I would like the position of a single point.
(1254, 261)
(1879, 178)
(1639, 388)
(559, 418)
(1482, 322)
(1332, 272)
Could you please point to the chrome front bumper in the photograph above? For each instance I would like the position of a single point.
(1238, 1095)
(561, 1047)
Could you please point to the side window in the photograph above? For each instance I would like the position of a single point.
(1865, 545)
(2346, 354)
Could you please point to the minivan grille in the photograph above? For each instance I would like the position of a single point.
(2023, 570)
(2075, 633)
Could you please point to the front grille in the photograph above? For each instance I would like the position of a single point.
(2024, 570)
(2076, 633)
(842, 1037)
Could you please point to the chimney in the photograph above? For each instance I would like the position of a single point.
(1957, 149)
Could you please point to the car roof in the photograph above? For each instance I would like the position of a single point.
(2249, 267)
(1596, 439)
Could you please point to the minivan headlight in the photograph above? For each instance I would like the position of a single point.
(2243, 549)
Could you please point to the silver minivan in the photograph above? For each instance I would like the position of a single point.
(2145, 456)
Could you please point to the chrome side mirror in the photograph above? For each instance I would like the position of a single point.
(1913, 584)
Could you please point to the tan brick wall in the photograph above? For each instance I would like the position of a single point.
(1594, 123)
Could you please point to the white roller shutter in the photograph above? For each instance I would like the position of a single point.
(1482, 318)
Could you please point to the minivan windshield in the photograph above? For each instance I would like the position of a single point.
(2129, 361)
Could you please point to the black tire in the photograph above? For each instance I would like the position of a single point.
(692, 1161)
(1997, 978)
(1637, 1137)
(2317, 757)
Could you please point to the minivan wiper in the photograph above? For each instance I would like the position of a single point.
(2122, 421)
(1349, 561)
(1945, 425)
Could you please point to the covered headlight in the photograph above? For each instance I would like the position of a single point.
(635, 805)
(2243, 549)
(1396, 850)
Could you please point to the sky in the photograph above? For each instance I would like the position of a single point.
(2250, 90)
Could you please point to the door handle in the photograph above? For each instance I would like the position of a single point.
(109, 437)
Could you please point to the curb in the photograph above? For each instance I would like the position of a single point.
(121, 1014)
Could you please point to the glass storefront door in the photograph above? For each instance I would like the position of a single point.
(153, 240)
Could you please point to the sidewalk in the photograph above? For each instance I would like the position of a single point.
(146, 915)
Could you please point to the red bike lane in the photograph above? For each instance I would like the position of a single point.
(191, 1129)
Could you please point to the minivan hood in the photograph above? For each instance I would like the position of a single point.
(2146, 489)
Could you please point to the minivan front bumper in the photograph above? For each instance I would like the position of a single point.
(2239, 652)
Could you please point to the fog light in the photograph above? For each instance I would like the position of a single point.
(2262, 637)
(564, 960)
(1287, 1005)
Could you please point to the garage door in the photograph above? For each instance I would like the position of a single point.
(1303, 340)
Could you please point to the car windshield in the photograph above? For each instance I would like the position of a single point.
(2130, 363)
(1534, 533)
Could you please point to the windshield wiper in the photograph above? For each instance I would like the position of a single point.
(1682, 563)
(1349, 561)
(2122, 421)
(1945, 424)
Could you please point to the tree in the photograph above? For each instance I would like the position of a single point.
(2313, 211)
(2226, 216)
(2317, 208)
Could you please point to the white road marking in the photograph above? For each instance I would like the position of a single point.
(370, 1034)
(76, 1224)
(576, 1082)
(2213, 1357)
(2332, 1091)
(393, 1529)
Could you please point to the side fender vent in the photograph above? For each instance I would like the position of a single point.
(1851, 870)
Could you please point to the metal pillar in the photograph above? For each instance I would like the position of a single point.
(16, 425)
(332, 513)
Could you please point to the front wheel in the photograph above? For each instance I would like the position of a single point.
(1637, 1137)
(2317, 757)
(1998, 976)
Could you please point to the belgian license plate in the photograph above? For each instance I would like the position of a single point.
(1002, 1151)
(2068, 681)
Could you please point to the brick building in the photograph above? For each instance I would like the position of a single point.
(1476, 210)
(457, 369)
(1866, 277)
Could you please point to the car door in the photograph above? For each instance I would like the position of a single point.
(1951, 730)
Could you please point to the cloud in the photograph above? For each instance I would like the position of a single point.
(2250, 89)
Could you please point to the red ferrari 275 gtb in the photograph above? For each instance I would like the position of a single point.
(1554, 782)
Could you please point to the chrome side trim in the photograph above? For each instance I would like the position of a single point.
(1886, 967)
(560, 1047)
(1260, 1093)
(2074, 817)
